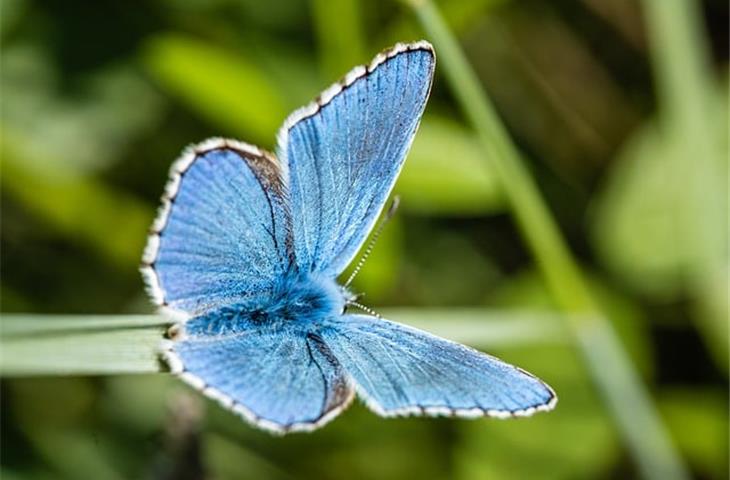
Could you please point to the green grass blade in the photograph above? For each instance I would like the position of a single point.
(79, 345)
(625, 395)
(103, 345)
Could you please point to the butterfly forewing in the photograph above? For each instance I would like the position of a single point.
(223, 234)
(342, 154)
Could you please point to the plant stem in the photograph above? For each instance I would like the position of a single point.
(97, 345)
(625, 395)
(79, 345)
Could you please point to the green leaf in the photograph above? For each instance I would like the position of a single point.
(223, 87)
(109, 221)
(693, 120)
(646, 223)
(339, 31)
(445, 173)
(82, 132)
(698, 420)
(655, 230)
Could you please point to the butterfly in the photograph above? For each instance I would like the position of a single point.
(247, 248)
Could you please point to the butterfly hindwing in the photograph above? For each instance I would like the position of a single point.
(280, 378)
(223, 234)
(342, 154)
(400, 370)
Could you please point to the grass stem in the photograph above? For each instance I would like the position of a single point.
(114, 344)
(625, 394)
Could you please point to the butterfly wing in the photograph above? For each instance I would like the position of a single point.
(400, 370)
(279, 378)
(223, 234)
(342, 154)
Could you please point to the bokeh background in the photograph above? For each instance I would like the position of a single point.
(99, 97)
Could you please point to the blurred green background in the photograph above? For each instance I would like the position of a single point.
(99, 97)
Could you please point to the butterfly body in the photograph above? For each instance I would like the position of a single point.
(299, 299)
(247, 248)
(306, 298)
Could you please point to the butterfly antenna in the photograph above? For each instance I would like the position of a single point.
(388, 215)
(365, 309)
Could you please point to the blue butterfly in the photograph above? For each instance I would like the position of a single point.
(247, 248)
